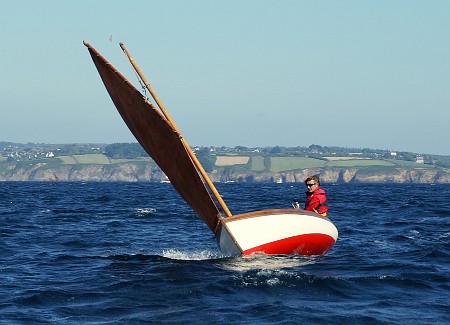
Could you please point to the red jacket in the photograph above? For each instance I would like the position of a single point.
(317, 202)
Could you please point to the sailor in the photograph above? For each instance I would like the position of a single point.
(316, 199)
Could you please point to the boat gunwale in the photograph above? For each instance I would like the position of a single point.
(262, 213)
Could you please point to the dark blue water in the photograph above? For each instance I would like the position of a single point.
(132, 253)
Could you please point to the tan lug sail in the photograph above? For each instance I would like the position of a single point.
(158, 136)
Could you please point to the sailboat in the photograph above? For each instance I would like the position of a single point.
(274, 231)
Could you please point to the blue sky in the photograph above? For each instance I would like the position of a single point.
(358, 74)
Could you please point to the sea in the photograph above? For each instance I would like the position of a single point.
(135, 253)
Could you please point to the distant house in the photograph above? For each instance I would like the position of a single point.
(419, 160)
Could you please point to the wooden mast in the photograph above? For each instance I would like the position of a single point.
(185, 144)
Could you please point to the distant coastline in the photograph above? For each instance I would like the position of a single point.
(129, 163)
(147, 171)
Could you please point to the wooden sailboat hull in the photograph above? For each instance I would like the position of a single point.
(277, 231)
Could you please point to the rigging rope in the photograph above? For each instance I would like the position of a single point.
(144, 89)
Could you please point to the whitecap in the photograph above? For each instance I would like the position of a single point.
(188, 256)
(142, 212)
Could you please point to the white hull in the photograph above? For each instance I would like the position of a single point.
(278, 231)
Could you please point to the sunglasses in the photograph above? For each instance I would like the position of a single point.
(312, 184)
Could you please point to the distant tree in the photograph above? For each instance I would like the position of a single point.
(276, 150)
(408, 156)
(70, 149)
(315, 147)
(125, 151)
(206, 159)
(442, 163)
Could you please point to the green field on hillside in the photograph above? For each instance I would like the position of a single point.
(257, 163)
(98, 159)
(358, 163)
(67, 160)
(279, 164)
(138, 160)
(404, 163)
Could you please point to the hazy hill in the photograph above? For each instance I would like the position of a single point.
(128, 162)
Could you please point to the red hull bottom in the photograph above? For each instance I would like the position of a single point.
(306, 244)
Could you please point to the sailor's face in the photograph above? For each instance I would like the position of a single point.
(311, 186)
